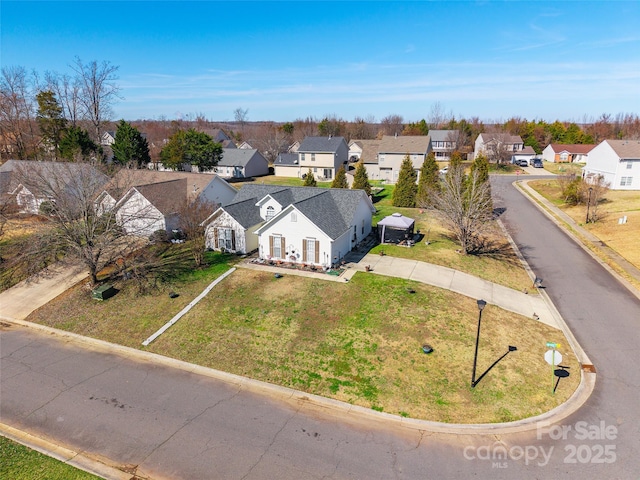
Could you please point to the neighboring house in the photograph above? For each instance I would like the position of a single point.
(617, 161)
(355, 150)
(108, 138)
(293, 148)
(393, 149)
(527, 153)
(324, 155)
(146, 209)
(443, 142)
(560, 153)
(210, 188)
(242, 163)
(32, 183)
(245, 146)
(286, 165)
(369, 158)
(294, 224)
(498, 147)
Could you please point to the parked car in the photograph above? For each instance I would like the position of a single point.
(537, 163)
(522, 162)
(443, 171)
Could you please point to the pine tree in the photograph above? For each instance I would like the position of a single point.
(361, 179)
(341, 179)
(429, 181)
(130, 148)
(404, 195)
(51, 121)
(310, 180)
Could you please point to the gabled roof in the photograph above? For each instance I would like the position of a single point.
(321, 144)
(331, 209)
(443, 135)
(369, 151)
(528, 150)
(126, 178)
(168, 197)
(571, 148)
(626, 149)
(404, 144)
(245, 213)
(238, 157)
(501, 137)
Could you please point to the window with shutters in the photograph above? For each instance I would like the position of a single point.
(311, 249)
(277, 246)
(225, 239)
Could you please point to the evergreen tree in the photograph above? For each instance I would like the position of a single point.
(341, 179)
(310, 180)
(51, 121)
(429, 181)
(361, 179)
(192, 147)
(404, 195)
(77, 142)
(130, 148)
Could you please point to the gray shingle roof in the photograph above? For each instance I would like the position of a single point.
(321, 144)
(237, 157)
(443, 135)
(168, 197)
(331, 209)
(287, 159)
(404, 144)
(626, 149)
(245, 213)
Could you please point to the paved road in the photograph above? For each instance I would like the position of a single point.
(175, 424)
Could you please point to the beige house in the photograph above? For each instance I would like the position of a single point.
(323, 155)
(393, 149)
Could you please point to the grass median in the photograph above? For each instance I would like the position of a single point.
(358, 341)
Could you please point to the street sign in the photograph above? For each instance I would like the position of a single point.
(553, 357)
(553, 345)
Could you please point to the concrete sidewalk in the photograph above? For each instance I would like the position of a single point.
(528, 305)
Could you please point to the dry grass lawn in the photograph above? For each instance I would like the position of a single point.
(359, 342)
(616, 204)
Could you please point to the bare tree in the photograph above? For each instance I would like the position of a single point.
(392, 125)
(75, 229)
(67, 90)
(241, 116)
(465, 206)
(271, 140)
(17, 113)
(191, 217)
(99, 91)
(594, 189)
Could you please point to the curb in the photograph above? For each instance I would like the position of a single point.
(301, 399)
(555, 216)
(70, 457)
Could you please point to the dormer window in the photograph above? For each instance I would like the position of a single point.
(271, 212)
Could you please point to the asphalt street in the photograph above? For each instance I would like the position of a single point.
(175, 424)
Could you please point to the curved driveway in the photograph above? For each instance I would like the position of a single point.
(175, 424)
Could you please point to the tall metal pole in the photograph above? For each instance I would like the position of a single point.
(481, 305)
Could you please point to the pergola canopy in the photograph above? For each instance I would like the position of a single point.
(396, 222)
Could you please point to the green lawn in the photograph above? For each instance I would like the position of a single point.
(18, 462)
(359, 342)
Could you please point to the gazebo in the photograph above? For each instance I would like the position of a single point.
(395, 228)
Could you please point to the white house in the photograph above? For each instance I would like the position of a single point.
(146, 209)
(617, 161)
(205, 187)
(242, 163)
(556, 152)
(393, 149)
(443, 142)
(527, 153)
(292, 224)
(32, 183)
(498, 147)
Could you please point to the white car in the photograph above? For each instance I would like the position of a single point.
(443, 171)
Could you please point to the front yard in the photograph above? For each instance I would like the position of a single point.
(623, 238)
(359, 342)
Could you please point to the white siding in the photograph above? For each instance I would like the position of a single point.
(138, 217)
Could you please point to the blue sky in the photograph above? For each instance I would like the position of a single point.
(286, 60)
